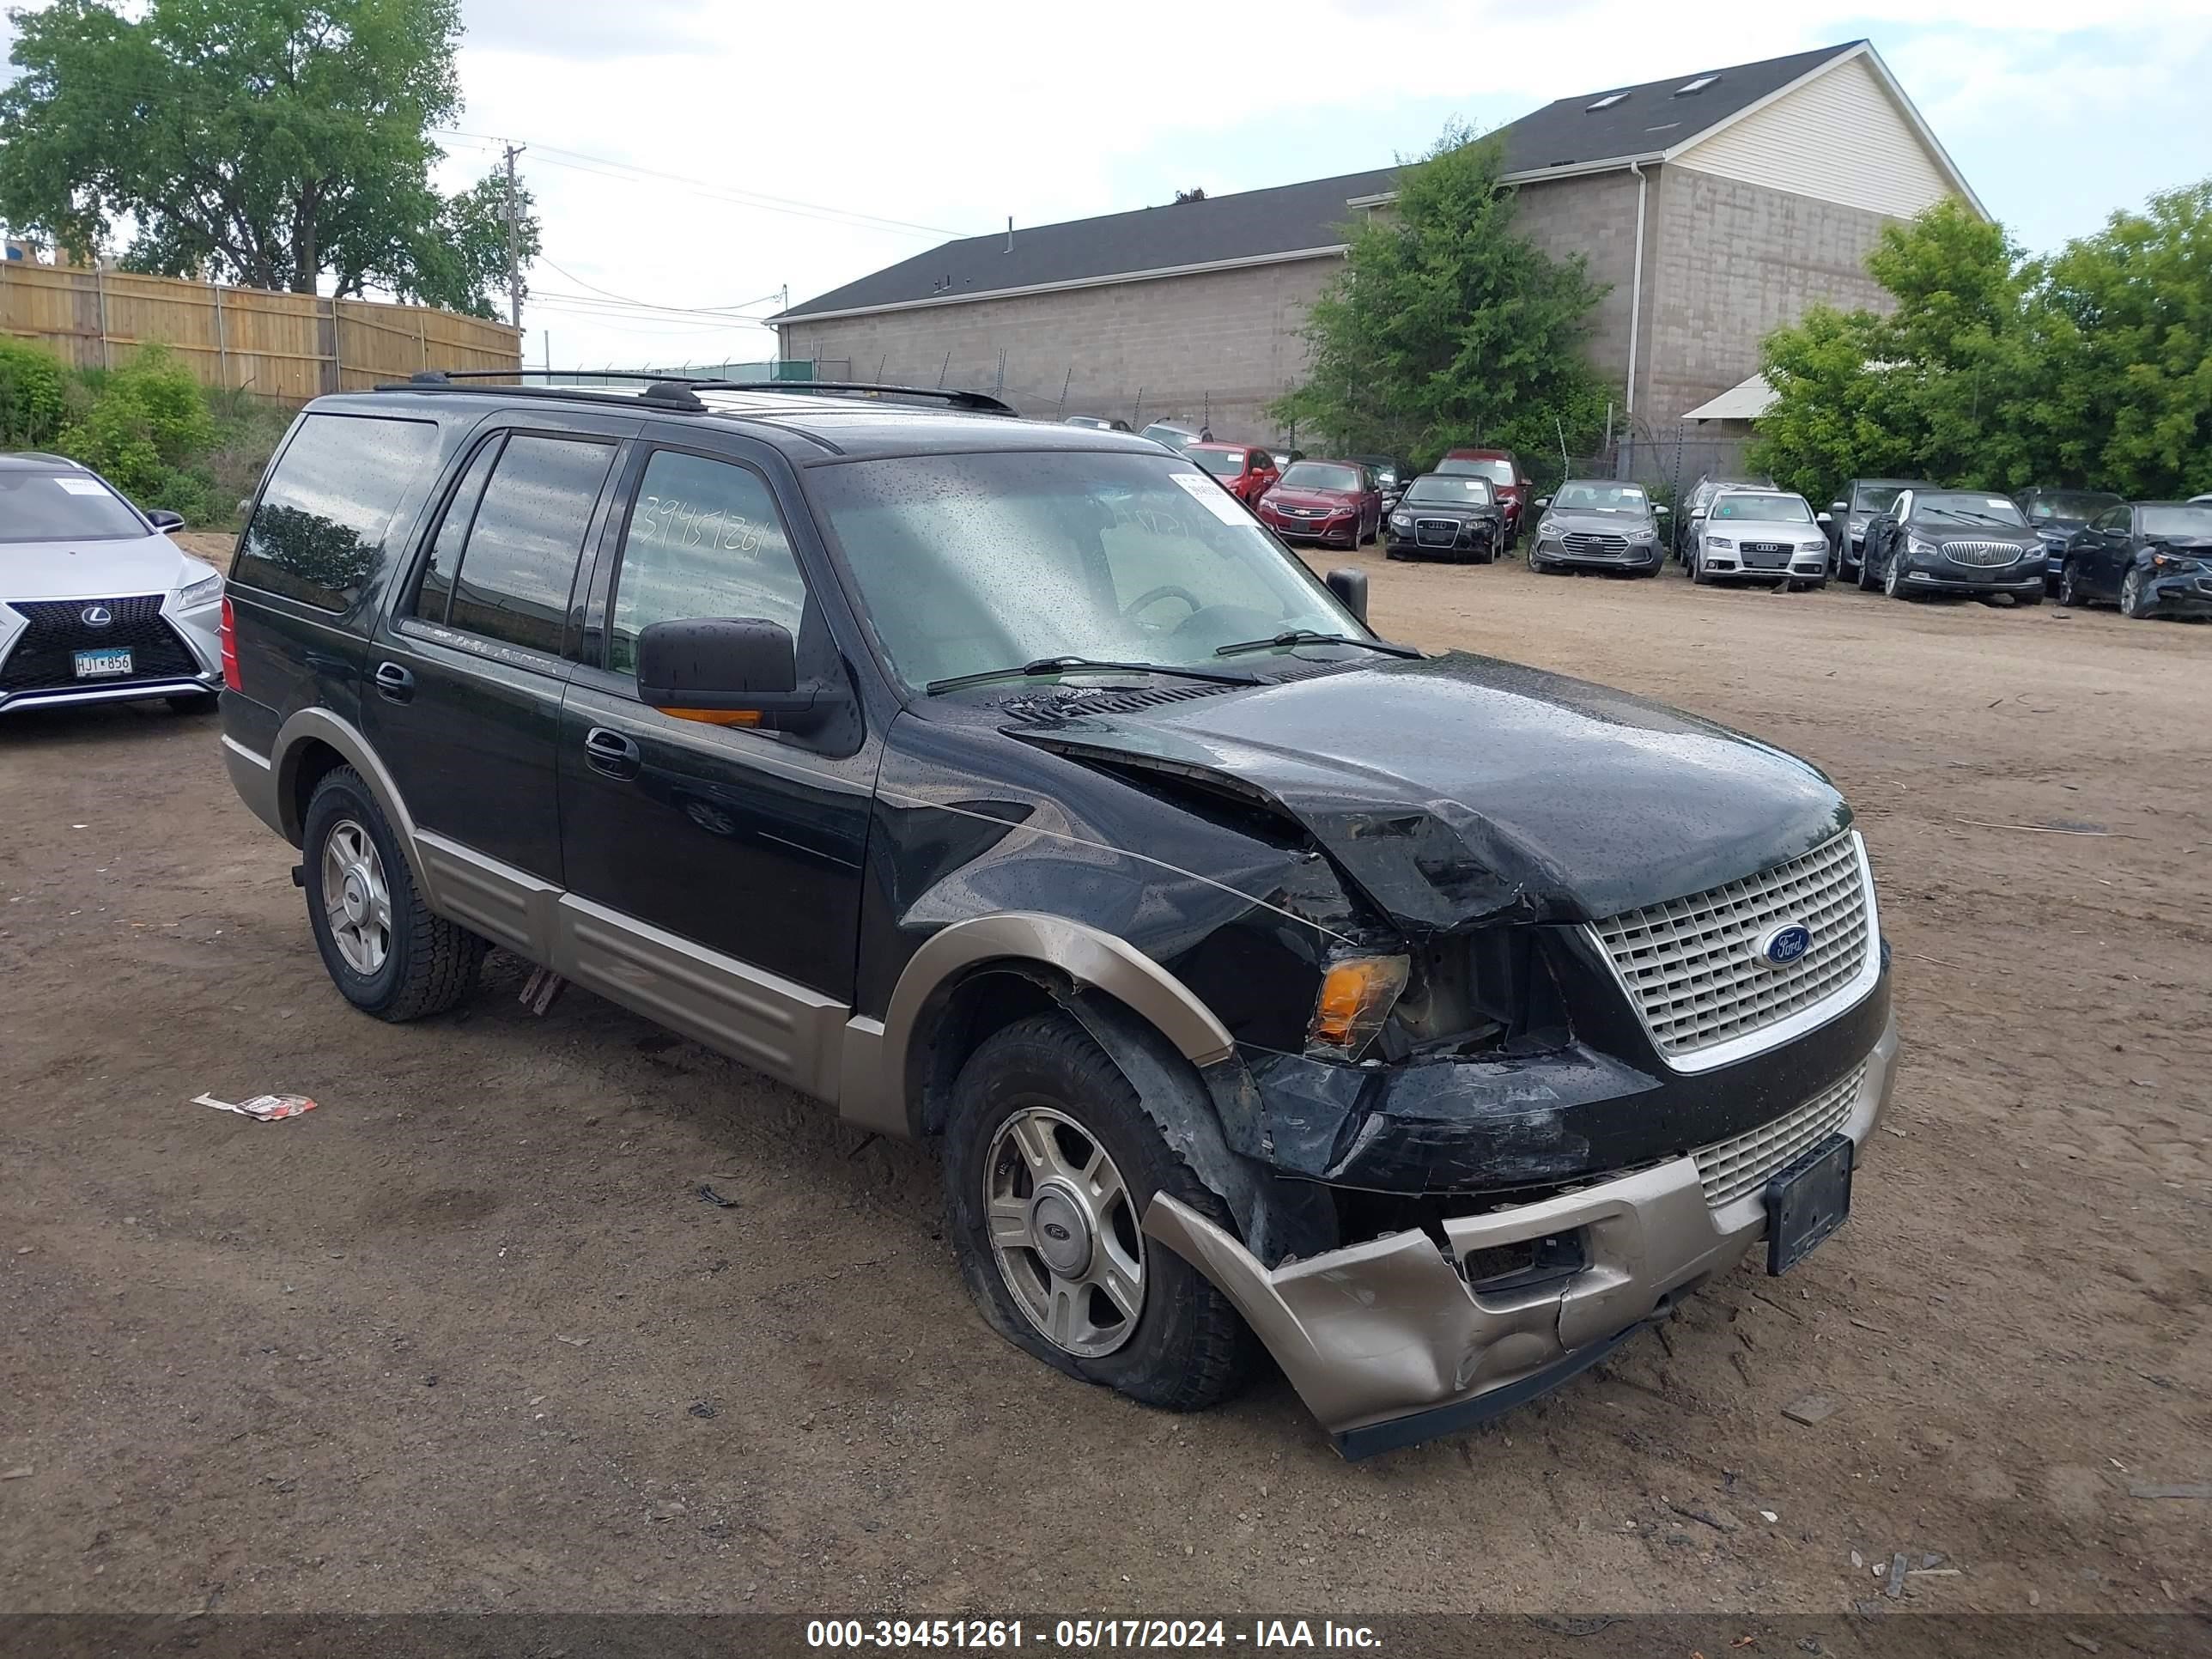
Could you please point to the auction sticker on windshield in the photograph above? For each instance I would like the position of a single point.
(1213, 497)
(82, 486)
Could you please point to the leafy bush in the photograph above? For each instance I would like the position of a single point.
(32, 400)
(148, 431)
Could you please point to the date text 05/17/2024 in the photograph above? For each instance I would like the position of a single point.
(1084, 1635)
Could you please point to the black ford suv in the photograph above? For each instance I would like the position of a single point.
(1436, 1021)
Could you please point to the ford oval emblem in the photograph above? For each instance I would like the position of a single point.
(1786, 945)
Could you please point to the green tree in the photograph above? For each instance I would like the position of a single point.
(274, 143)
(1447, 326)
(2092, 369)
(148, 431)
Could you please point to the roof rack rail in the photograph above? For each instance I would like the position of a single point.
(681, 391)
(979, 402)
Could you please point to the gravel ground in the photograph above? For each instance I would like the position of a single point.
(468, 1336)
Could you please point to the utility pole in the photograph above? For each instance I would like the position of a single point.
(513, 246)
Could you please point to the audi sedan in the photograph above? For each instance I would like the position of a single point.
(97, 605)
(1765, 534)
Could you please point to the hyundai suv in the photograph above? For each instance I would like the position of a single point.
(1433, 1021)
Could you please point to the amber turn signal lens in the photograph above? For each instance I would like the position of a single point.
(1356, 995)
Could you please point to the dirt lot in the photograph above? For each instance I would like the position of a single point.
(467, 1336)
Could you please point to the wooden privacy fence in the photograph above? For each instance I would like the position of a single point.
(290, 347)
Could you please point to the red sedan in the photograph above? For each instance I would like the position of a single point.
(1245, 473)
(1332, 501)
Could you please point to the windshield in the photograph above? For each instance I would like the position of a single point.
(1458, 492)
(2187, 523)
(1962, 508)
(52, 506)
(1600, 498)
(1221, 463)
(2071, 507)
(1496, 471)
(1766, 510)
(1321, 474)
(969, 563)
(1174, 437)
(1875, 498)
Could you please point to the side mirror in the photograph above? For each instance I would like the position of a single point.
(727, 670)
(1839, 506)
(1697, 511)
(1659, 511)
(162, 518)
(1822, 518)
(1543, 501)
(1350, 588)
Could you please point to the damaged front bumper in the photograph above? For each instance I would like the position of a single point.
(1388, 1344)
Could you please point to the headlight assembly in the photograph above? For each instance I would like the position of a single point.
(1356, 995)
(206, 591)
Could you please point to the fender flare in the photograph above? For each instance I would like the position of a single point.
(881, 1090)
(320, 725)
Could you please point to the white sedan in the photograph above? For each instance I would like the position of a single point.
(1759, 535)
(97, 605)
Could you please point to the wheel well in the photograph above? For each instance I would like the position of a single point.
(306, 766)
(984, 1002)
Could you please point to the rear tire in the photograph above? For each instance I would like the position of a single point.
(386, 952)
(1043, 1122)
(2070, 589)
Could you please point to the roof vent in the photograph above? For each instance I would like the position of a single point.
(1606, 102)
(1698, 85)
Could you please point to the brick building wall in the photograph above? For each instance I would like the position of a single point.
(1735, 261)
(1219, 345)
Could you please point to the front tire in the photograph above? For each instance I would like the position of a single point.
(386, 952)
(2132, 604)
(1049, 1164)
(1893, 579)
(2070, 589)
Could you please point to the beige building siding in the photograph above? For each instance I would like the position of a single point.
(1219, 345)
(1737, 261)
(1840, 137)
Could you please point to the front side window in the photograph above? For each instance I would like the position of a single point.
(1874, 499)
(56, 506)
(317, 534)
(519, 561)
(977, 562)
(1322, 475)
(704, 540)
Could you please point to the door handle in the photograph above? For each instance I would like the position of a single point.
(397, 683)
(611, 753)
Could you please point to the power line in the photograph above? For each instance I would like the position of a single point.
(624, 299)
(720, 192)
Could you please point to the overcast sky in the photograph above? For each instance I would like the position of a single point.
(812, 144)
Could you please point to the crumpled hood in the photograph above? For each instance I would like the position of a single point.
(1465, 788)
(94, 569)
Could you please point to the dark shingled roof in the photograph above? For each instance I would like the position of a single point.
(1289, 218)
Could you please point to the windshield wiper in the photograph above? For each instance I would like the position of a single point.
(1070, 665)
(1314, 636)
(1978, 518)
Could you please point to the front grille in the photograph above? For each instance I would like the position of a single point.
(1303, 512)
(1595, 544)
(1435, 532)
(1765, 555)
(44, 659)
(1982, 555)
(1730, 1169)
(1692, 965)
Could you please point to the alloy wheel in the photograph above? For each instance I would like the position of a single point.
(2131, 593)
(2067, 593)
(1064, 1232)
(1893, 579)
(356, 900)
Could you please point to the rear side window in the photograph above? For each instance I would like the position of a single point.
(704, 540)
(317, 534)
(519, 558)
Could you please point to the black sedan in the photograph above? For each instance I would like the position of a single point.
(2152, 559)
(1445, 516)
(2057, 515)
(1952, 541)
(1597, 524)
(1391, 477)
